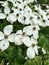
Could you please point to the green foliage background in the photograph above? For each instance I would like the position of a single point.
(15, 54)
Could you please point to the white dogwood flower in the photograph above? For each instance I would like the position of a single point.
(32, 30)
(5, 4)
(29, 1)
(29, 15)
(42, 22)
(6, 12)
(31, 51)
(6, 37)
(2, 16)
(29, 41)
(18, 38)
(21, 37)
(11, 18)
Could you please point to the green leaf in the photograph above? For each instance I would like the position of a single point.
(17, 26)
(10, 4)
(11, 53)
(3, 55)
(19, 51)
(41, 41)
(38, 60)
(46, 62)
(44, 42)
(45, 31)
(19, 60)
(42, 1)
(30, 62)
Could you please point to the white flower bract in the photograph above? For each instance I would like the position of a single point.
(6, 37)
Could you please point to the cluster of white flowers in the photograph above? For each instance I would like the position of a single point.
(24, 15)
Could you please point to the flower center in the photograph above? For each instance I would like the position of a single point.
(36, 11)
(6, 14)
(41, 16)
(34, 28)
(24, 18)
(20, 9)
(47, 14)
(16, 7)
(33, 45)
(23, 33)
(6, 36)
(38, 17)
(24, 6)
(3, 44)
(43, 21)
(17, 15)
(31, 18)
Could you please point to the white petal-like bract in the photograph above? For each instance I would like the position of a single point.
(8, 29)
(30, 53)
(4, 44)
(1, 35)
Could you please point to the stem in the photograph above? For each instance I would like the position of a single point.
(43, 60)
